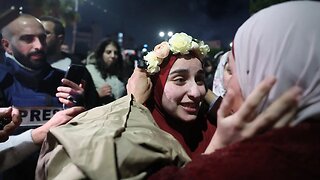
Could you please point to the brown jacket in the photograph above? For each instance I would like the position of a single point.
(115, 141)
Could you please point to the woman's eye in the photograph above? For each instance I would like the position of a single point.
(229, 71)
(200, 80)
(179, 80)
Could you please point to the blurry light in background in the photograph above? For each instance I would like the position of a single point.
(166, 35)
(120, 38)
(144, 50)
(161, 34)
(230, 44)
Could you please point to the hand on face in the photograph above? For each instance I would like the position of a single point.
(245, 123)
(14, 118)
(139, 85)
(69, 93)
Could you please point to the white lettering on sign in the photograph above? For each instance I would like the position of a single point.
(34, 116)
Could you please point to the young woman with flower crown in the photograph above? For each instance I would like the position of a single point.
(126, 139)
(176, 73)
(281, 41)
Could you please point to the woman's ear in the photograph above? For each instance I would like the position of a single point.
(6, 45)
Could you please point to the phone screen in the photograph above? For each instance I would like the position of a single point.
(75, 73)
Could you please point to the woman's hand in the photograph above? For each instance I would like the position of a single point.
(105, 90)
(245, 123)
(70, 94)
(139, 85)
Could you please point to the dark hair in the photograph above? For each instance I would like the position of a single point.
(116, 68)
(58, 26)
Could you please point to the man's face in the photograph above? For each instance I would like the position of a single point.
(27, 42)
(52, 38)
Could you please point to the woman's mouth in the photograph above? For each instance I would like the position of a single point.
(191, 108)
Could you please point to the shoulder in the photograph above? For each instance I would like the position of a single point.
(55, 73)
(92, 69)
(4, 73)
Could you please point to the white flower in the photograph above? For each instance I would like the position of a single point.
(180, 43)
(204, 48)
(153, 61)
(194, 45)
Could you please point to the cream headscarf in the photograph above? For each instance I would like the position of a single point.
(284, 41)
(217, 87)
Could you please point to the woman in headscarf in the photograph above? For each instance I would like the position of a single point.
(178, 94)
(222, 75)
(283, 42)
(124, 139)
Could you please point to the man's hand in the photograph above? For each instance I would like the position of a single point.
(70, 92)
(14, 118)
(58, 119)
(139, 85)
(245, 123)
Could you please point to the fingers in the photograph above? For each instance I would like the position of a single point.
(248, 108)
(149, 85)
(278, 114)
(139, 70)
(73, 111)
(83, 84)
(64, 89)
(16, 118)
(5, 111)
(69, 83)
(225, 107)
(3, 136)
(64, 92)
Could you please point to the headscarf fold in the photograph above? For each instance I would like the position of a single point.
(282, 41)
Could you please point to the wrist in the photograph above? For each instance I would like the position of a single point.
(39, 134)
(214, 144)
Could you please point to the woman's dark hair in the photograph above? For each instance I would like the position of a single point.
(116, 67)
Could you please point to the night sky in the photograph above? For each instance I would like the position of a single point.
(143, 19)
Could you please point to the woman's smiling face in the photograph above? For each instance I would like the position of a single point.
(184, 89)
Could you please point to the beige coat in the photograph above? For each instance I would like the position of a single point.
(116, 141)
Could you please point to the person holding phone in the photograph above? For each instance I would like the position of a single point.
(29, 83)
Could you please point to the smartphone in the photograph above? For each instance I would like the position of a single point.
(75, 73)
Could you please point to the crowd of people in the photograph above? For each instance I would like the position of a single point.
(156, 123)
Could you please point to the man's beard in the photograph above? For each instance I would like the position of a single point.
(26, 60)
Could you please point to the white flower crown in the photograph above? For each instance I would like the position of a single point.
(178, 43)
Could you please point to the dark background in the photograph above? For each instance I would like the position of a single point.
(140, 21)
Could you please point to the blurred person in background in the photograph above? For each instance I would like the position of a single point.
(107, 71)
(55, 37)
